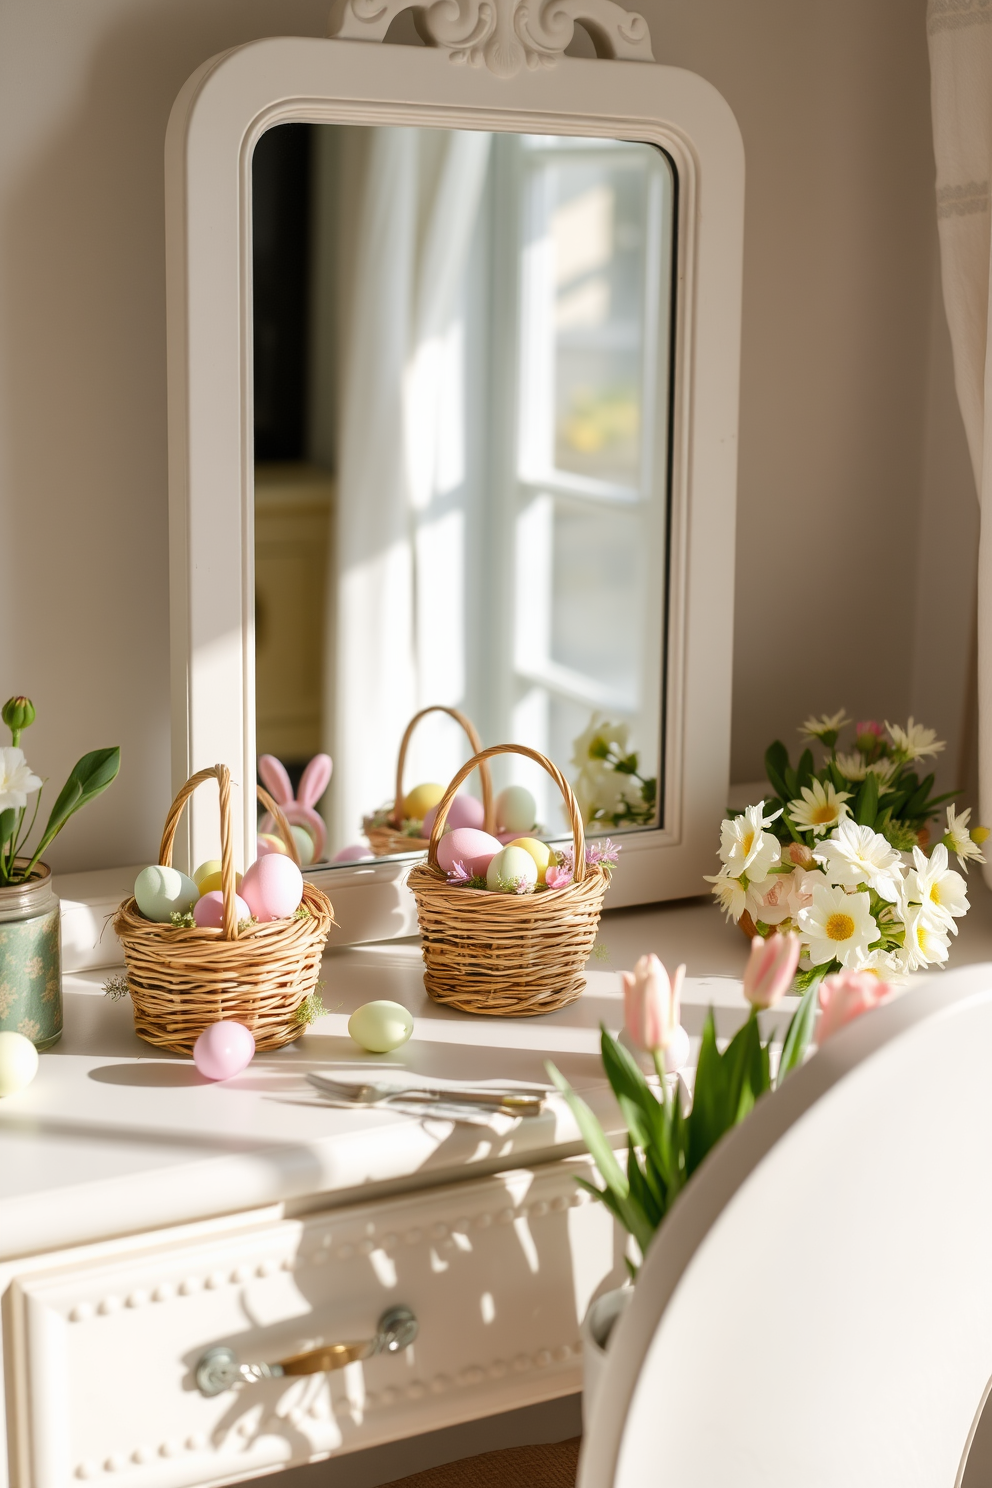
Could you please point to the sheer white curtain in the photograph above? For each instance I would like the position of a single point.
(395, 637)
(960, 40)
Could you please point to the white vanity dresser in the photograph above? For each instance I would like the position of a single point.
(147, 1217)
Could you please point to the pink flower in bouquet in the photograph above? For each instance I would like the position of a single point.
(798, 854)
(846, 996)
(651, 1010)
(770, 969)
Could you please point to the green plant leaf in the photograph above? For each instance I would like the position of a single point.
(866, 804)
(89, 778)
(627, 1081)
(776, 764)
(792, 783)
(804, 770)
(800, 1029)
(707, 1121)
(914, 806)
(648, 1199)
(8, 820)
(840, 782)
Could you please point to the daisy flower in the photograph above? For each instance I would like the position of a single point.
(730, 893)
(852, 766)
(838, 927)
(856, 855)
(961, 839)
(941, 892)
(914, 741)
(828, 724)
(820, 808)
(745, 847)
(926, 943)
(17, 779)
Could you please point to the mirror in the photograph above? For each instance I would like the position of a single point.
(462, 349)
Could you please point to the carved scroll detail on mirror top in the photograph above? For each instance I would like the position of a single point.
(502, 35)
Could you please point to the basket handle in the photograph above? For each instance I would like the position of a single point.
(568, 796)
(479, 758)
(222, 775)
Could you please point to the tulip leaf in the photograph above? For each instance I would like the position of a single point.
(776, 764)
(707, 1120)
(651, 1202)
(90, 776)
(593, 1135)
(627, 1080)
(800, 1029)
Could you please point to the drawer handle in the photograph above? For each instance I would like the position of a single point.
(219, 1370)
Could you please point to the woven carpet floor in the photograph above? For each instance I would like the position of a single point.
(551, 1465)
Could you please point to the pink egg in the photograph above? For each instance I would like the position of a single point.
(465, 811)
(272, 888)
(353, 853)
(208, 911)
(473, 849)
(222, 1050)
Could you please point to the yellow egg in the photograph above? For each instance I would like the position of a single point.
(212, 865)
(213, 881)
(539, 851)
(420, 800)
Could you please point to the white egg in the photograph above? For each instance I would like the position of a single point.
(516, 809)
(380, 1026)
(510, 869)
(162, 892)
(18, 1062)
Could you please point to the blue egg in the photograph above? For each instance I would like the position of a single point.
(162, 892)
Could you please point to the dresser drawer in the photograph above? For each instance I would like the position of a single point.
(101, 1349)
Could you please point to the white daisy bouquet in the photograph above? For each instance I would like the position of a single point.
(843, 853)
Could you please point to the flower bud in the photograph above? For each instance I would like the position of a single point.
(17, 713)
(979, 835)
(846, 996)
(798, 854)
(770, 969)
(651, 1004)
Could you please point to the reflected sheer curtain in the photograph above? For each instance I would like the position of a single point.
(960, 41)
(394, 642)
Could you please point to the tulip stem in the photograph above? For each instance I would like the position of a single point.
(659, 1069)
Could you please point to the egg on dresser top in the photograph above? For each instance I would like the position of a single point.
(380, 1026)
(272, 888)
(464, 811)
(18, 1062)
(162, 892)
(475, 850)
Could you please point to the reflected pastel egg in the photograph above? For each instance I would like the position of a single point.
(353, 853)
(224, 1049)
(464, 811)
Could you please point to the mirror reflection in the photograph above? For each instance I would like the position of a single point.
(461, 387)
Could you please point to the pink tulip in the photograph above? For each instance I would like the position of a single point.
(770, 969)
(651, 1004)
(846, 996)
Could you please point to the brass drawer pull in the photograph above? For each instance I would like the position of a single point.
(219, 1370)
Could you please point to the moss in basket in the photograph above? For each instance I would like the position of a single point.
(116, 987)
(311, 1008)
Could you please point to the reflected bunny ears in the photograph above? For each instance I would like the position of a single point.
(300, 811)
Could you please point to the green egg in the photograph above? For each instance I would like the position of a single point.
(380, 1026)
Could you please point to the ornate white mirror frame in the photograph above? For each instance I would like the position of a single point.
(513, 76)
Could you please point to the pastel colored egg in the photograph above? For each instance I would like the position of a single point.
(18, 1062)
(268, 842)
(214, 881)
(380, 1026)
(205, 870)
(224, 1049)
(464, 811)
(516, 809)
(539, 851)
(475, 850)
(420, 800)
(162, 892)
(512, 871)
(304, 845)
(272, 888)
(208, 911)
(353, 853)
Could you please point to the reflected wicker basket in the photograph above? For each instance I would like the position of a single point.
(386, 838)
(182, 980)
(507, 955)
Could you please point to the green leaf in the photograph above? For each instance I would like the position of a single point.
(776, 764)
(650, 1202)
(792, 783)
(627, 1082)
(804, 771)
(914, 806)
(8, 820)
(707, 1120)
(800, 1029)
(89, 778)
(593, 1135)
(840, 782)
(866, 805)
(747, 1064)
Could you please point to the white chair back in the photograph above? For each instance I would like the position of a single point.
(816, 1312)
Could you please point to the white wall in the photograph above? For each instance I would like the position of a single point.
(854, 489)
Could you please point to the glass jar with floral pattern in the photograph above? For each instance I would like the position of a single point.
(30, 959)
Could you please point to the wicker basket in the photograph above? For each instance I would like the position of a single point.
(387, 840)
(182, 980)
(507, 955)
